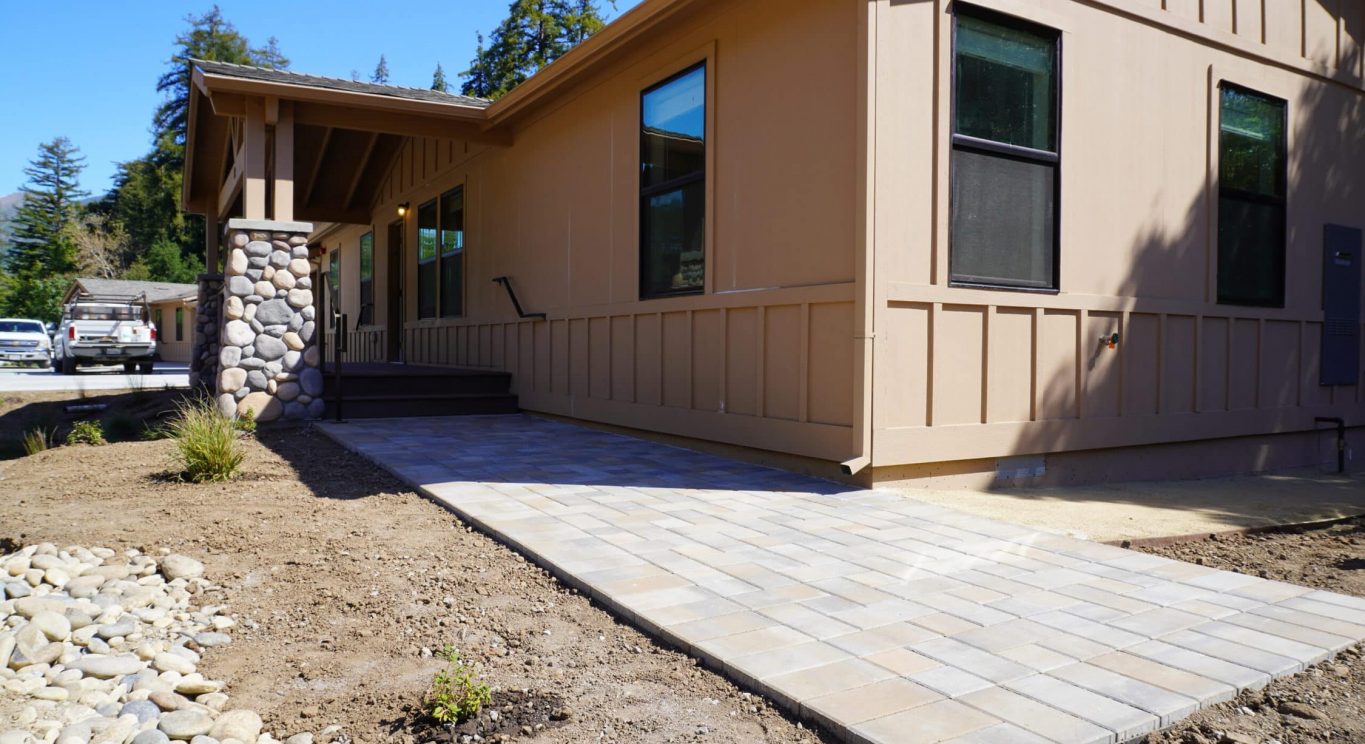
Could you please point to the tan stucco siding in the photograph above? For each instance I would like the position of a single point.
(764, 357)
(168, 347)
(966, 373)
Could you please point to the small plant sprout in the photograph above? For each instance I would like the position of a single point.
(455, 696)
(87, 432)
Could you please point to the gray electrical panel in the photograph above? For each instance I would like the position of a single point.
(1341, 305)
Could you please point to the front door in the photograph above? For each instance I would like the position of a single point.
(395, 292)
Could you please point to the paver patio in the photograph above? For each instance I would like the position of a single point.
(882, 618)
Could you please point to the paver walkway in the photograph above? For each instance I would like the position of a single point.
(883, 618)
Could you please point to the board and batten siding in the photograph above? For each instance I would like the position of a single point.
(765, 357)
(964, 373)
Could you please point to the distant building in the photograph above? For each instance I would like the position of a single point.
(172, 308)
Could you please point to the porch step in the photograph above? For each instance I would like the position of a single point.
(402, 391)
(417, 406)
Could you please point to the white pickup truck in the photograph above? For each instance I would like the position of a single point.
(23, 340)
(105, 329)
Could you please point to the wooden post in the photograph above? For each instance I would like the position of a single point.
(253, 181)
(211, 231)
(284, 163)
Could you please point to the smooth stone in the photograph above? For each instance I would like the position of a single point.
(17, 590)
(263, 406)
(288, 391)
(259, 248)
(283, 280)
(56, 627)
(17, 737)
(229, 356)
(291, 361)
(256, 325)
(234, 308)
(309, 312)
(295, 410)
(300, 267)
(143, 710)
(185, 724)
(210, 639)
(117, 629)
(237, 262)
(300, 297)
(274, 312)
(86, 586)
(106, 667)
(151, 736)
(238, 333)
(30, 606)
(240, 285)
(204, 740)
(259, 262)
(256, 276)
(243, 725)
(270, 348)
(195, 684)
(167, 700)
(264, 288)
(303, 738)
(240, 239)
(277, 330)
(251, 363)
(273, 368)
(176, 566)
(311, 381)
(299, 241)
(255, 379)
(167, 662)
(316, 408)
(280, 259)
(268, 273)
(307, 331)
(227, 404)
(293, 341)
(299, 250)
(232, 379)
(305, 282)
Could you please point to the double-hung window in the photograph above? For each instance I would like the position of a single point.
(366, 279)
(1005, 152)
(180, 324)
(673, 185)
(452, 253)
(1251, 198)
(427, 256)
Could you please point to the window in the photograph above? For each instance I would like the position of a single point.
(334, 270)
(156, 321)
(673, 185)
(366, 279)
(452, 253)
(1006, 154)
(1251, 198)
(180, 324)
(426, 260)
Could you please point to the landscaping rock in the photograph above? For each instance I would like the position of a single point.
(185, 724)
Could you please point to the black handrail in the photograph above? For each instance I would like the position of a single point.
(338, 338)
(506, 283)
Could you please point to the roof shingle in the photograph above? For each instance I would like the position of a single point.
(264, 74)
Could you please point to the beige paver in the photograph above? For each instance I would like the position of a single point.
(882, 617)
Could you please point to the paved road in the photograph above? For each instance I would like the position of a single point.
(32, 379)
(884, 618)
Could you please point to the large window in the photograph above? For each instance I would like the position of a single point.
(180, 324)
(1251, 198)
(334, 270)
(452, 253)
(426, 260)
(366, 279)
(673, 185)
(1005, 152)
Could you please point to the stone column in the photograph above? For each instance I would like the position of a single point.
(208, 323)
(269, 359)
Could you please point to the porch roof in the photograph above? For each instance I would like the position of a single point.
(284, 145)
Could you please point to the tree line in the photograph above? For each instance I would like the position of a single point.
(138, 231)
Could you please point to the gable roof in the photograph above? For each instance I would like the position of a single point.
(156, 291)
(287, 77)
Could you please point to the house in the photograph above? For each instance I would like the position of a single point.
(933, 242)
(171, 305)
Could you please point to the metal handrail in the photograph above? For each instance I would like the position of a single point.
(506, 283)
(338, 339)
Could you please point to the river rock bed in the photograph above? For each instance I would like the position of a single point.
(101, 647)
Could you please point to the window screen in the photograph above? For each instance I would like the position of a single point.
(1005, 153)
(673, 185)
(1251, 198)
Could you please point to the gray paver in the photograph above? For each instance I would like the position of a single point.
(883, 618)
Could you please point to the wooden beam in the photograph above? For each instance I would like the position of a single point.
(232, 185)
(228, 104)
(272, 111)
(402, 124)
(317, 167)
(211, 243)
(348, 217)
(253, 184)
(363, 163)
(284, 161)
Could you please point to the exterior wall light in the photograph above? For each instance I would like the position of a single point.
(403, 209)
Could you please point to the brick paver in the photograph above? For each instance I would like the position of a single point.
(880, 617)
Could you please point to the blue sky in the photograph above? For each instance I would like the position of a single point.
(87, 69)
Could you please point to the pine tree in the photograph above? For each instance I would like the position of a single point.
(534, 34)
(438, 80)
(381, 72)
(42, 253)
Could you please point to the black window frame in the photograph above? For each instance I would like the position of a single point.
(1282, 202)
(365, 290)
(675, 184)
(1007, 151)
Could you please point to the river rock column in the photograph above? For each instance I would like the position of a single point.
(207, 325)
(268, 357)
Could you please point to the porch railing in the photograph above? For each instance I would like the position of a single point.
(506, 283)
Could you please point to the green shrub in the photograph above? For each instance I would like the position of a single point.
(205, 440)
(38, 440)
(455, 695)
(246, 423)
(86, 432)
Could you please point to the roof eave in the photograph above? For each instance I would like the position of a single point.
(214, 84)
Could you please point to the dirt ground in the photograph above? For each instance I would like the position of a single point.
(345, 583)
(1323, 704)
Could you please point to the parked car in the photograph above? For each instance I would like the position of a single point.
(105, 329)
(23, 340)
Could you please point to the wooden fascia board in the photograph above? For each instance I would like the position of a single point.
(314, 215)
(218, 84)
